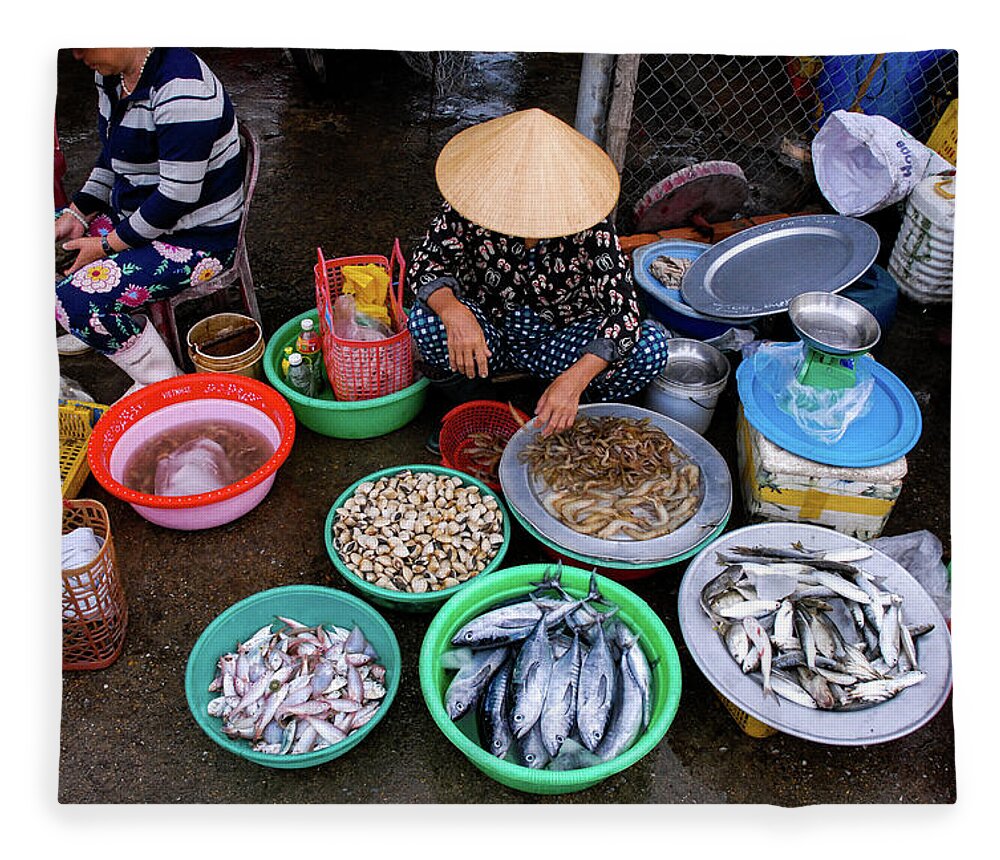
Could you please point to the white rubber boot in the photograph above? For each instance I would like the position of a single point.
(147, 360)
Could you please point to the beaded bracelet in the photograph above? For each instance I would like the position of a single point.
(80, 218)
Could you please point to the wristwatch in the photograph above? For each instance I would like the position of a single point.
(106, 247)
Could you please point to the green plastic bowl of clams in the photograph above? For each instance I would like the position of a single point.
(405, 601)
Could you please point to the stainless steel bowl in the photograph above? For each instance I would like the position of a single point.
(694, 364)
(833, 323)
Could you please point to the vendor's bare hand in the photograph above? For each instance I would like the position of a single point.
(68, 227)
(468, 352)
(88, 249)
(556, 408)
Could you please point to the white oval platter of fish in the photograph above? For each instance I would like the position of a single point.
(524, 494)
(740, 576)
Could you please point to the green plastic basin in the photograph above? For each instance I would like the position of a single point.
(403, 601)
(310, 604)
(479, 595)
(359, 419)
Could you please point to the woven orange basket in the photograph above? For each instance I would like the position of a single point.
(94, 611)
(474, 434)
(363, 370)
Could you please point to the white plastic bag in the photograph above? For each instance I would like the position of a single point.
(866, 163)
(89, 588)
(823, 414)
(198, 466)
(920, 553)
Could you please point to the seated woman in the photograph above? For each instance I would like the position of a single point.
(521, 270)
(170, 178)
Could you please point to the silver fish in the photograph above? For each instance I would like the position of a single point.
(748, 609)
(530, 680)
(625, 721)
(889, 636)
(886, 688)
(906, 642)
(789, 689)
(559, 713)
(762, 646)
(639, 664)
(817, 687)
(804, 632)
(532, 750)
(512, 623)
(469, 682)
(595, 692)
(737, 642)
(494, 724)
(783, 634)
(842, 587)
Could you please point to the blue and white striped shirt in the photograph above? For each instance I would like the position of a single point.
(171, 165)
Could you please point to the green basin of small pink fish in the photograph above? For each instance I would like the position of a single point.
(294, 676)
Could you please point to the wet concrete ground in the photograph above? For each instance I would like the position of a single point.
(350, 172)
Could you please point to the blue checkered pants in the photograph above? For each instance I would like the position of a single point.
(524, 341)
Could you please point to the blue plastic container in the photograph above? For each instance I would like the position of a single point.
(898, 90)
(877, 292)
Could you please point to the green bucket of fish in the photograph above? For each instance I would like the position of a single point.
(550, 679)
(409, 537)
(245, 690)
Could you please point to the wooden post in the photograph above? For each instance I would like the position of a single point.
(620, 112)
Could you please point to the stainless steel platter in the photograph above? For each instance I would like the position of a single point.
(899, 716)
(524, 495)
(758, 271)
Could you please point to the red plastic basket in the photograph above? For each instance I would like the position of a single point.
(94, 611)
(361, 370)
(458, 443)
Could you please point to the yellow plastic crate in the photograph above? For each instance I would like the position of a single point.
(750, 726)
(76, 423)
(944, 138)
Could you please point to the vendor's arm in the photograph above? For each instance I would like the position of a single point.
(557, 407)
(609, 278)
(434, 272)
(468, 352)
(90, 248)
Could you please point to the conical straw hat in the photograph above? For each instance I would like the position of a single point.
(527, 174)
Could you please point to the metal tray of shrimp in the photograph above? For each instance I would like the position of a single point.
(890, 720)
(715, 492)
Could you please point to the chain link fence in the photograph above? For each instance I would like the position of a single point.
(760, 112)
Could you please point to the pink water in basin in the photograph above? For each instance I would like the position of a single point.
(133, 420)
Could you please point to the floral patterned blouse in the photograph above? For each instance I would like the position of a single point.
(564, 280)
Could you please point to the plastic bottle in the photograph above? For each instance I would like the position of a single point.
(300, 376)
(308, 340)
(309, 346)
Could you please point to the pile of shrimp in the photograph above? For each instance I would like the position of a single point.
(614, 478)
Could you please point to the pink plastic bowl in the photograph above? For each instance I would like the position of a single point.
(220, 396)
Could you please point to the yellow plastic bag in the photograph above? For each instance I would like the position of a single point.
(369, 285)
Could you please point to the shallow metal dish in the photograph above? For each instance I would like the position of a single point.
(833, 324)
(758, 271)
(523, 494)
(901, 715)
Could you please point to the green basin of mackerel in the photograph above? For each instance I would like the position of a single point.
(479, 596)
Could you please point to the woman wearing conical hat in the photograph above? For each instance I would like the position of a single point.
(521, 269)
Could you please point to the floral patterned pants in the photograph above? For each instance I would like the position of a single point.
(95, 303)
(527, 342)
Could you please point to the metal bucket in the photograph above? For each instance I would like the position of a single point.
(227, 343)
(688, 389)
